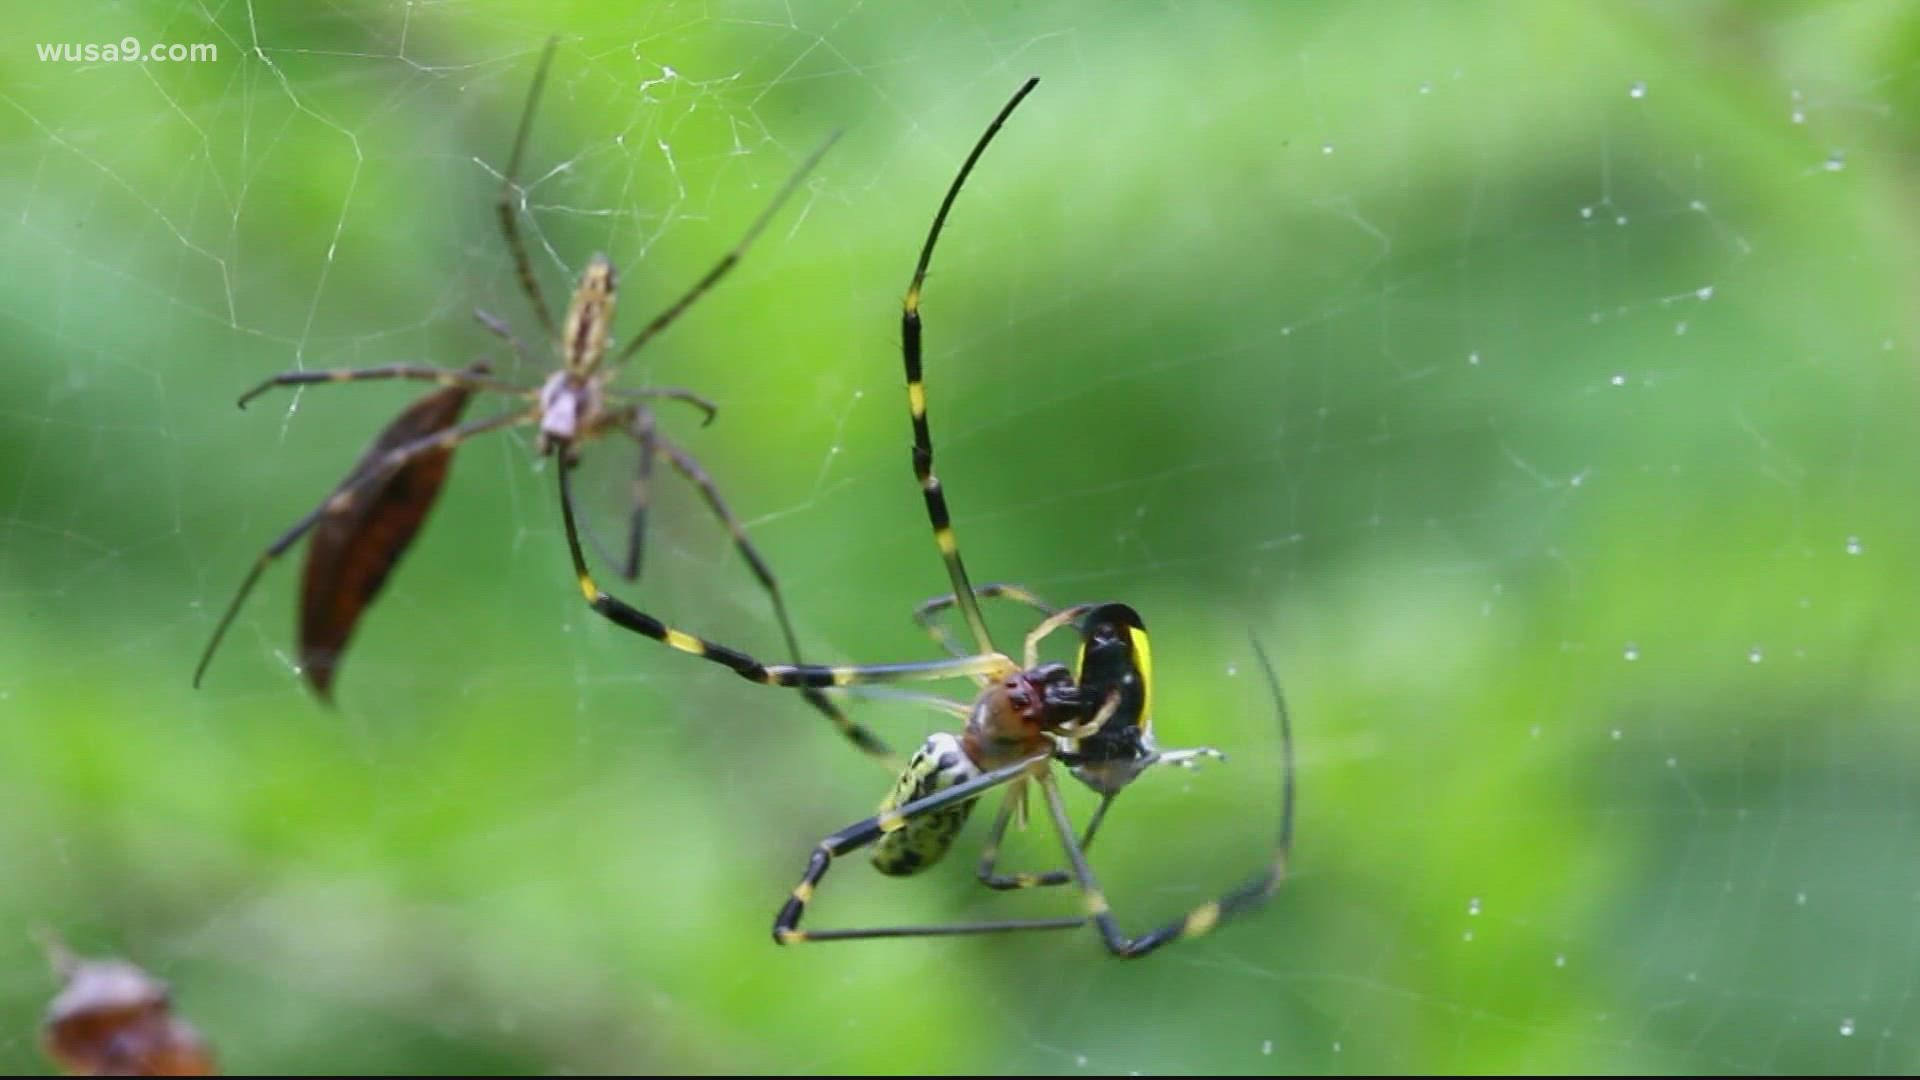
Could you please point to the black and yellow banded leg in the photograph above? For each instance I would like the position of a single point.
(926, 614)
(341, 499)
(911, 354)
(786, 925)
(470, 378)
(1191, 925)
(988, 871)
(1204, 918)
(820, 676)
(691, 469)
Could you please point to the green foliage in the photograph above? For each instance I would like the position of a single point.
(1536, 381)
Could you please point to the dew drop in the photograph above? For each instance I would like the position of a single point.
(1266, 1048)
(1846, 1026)
(1854, 547)
(1754, 655)
(1468, 936)
(1426, 88)
(1631, 652)
(1618, 380)
(1618, 735)
(1474, 358)
(1637, 91)
(1704, 292)
(1800, 898)
(1326, 149)
(1586, 212)
(1080, 1060)
(1473, 906)
(1560, 960)
(1835, 162)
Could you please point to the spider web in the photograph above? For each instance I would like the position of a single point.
(1535, 384)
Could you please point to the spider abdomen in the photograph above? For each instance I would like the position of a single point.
(918, 843)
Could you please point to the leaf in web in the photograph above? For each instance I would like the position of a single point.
(352, 550)
(111, 1018)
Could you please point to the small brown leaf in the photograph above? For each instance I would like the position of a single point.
(113, 1019)
(353, 549)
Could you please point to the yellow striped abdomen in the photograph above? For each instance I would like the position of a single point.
(912, 845)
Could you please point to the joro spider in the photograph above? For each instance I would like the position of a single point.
(1095, 719)
(574, 405)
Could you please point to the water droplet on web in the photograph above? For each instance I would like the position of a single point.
(1620, 219)
(1426, 88)
(1704, 292)
(1232, 670)
(1754, 655)
(1835, 162)
(1618, 380)
(1474, 358)
(1473, 906)
(1631, 652)
(1266, 1048)
(1854, 547)
(1846, 1026)
(1637, 91)
(1326, 148)
(1799, 116)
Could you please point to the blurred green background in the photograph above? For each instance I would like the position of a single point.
(1536, 381)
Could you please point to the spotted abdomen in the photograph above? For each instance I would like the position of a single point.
(920, 842)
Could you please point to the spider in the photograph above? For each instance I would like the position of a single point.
(572, 406)
(1094, 719)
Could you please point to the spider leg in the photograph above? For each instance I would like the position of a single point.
(730, 259)
(1048, 625)
(469, 379)
(507, 206)
(1205, 917)
(990, 854)
(340, 500)
(821, 676)
(786, 925)
(910, 349)
(696, 475)
(498, 327)
(924, 615)
(644, 433)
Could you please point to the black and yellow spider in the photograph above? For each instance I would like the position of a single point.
(574, 405)
(1095, 718)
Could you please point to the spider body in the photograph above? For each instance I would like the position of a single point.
(573, 400)
(576, 403)
(1095, 718)
(1014, 719)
